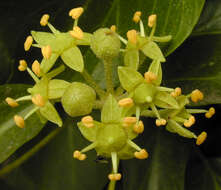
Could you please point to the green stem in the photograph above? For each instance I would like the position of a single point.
(108, 75)
(7, 169)
(88, 78)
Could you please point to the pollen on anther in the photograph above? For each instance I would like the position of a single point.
(19, 121)
(128, 121)
(201, 138)
(113, 28)
(77, 33)
(88, 121)
(136, 17)
(132, 36)
(44, 20)
(38, 100)
(210, 113)
(22, 65)
(150, 76)
(139, 128)
(152, 20)
(142, 154)
(11, 102)
(36, 68)
(126, 102)
(76, 12)
(46, 51)
(28, 43)
(196, 95)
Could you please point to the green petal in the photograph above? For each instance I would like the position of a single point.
(111, 112)
(43, 38)
(165, 100)
(156, 68)
(89, 133)
(174, 127)
(51, 114)
(151, 50)
(72, 57)
(47, 64)
(56, 88)
(131, 58)
(129, 78)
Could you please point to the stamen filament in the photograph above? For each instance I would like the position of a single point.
(179, 119)
(75, 22)
(114, 161)
(31, 112)
(192, 111)
(122, 39)
(154, 109)
(137, 114)
(142, 32)
(89, 147)
(162, 39)
(164, 89)
(35, 78)
(52, 28)
(152, 31)
(24, 98)
(133, 145)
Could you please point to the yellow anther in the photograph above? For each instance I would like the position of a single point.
(28, 43)
(132, 36)
(82, 157)
(177, 92)
(88, 121)
(152, 20)
(11, 102)
(190, 121)
(76, 12)
(160, 122)
(128, 121)
(126, 102)
(142, 154)
(196, 95)
(139, 128)
(136, 17)
(210, 113)
(76, 154)
(38, 100)
(22, 65)
(46, 51)
(149, 77)
(111, 177)
(114, 177)
(113, 28)
(77, 33)
(44, 20)
(19, 121)
(36, 68)
(201, 138)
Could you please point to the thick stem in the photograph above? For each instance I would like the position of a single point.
(88, 78)
(7, 169)
(108, 75)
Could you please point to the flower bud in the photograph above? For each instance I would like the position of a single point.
(105, 43)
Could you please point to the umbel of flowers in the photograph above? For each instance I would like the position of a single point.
(120, 107)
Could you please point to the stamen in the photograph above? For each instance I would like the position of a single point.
(76, 12)
(177, 92)
(136, 17)
(126, 102)
(36, 68)
(22, 65)
(113, 28)
(78, 155)
(88, 121)
(152, 20)
(210, 113)
(77, 33)
(160, 122)
(142, 154)
(196, 95)
(44, 20)
(19, 121)
(28, 43)
(190, 121)
(114, 177)
(38, 100)
(201, 138)
(132, 36)
(133, 145)
(139, 128)
(46, 51)
(150, 77)
(128, 121)
(11, 102)
(82, 157)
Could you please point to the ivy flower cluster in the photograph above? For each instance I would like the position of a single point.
(139, 94)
